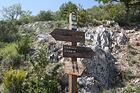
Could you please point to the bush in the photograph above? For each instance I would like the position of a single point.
(66, 9)
(129, 89)
(60, 24)
(23, 43)
(43, 84)
(13, 79)
(82, 17)
(8, 31)
(39, 81)
(138, 89)
(114, 12)
(127, 75)
(45, 16)
(10, 55)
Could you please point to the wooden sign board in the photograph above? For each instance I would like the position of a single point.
(68, 35)
(74, 68)
(77, 52)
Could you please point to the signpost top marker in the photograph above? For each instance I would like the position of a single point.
(73, 21)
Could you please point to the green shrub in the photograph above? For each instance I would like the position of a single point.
(39, 81)
(67, 8)
(114, 12)
(13, 79)
(45, 16)
(23, 45)
(109, 91)
(129, 89)
(138, 89)
(82, 17)
(2, 44)
(41, 84)
(60, 24)
(8, 31)
(10, 55)
(127, 75)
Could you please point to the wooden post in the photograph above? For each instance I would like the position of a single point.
(73, 69)
(73, 78)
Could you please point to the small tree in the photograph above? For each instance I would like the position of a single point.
(128, 3)
(9, 56)
(8, 31)
(45, 16)
(66, 9)
(23, 43)
(82, 17)
(25, 17)
(12, 12)
(44, 77)
(12, 80)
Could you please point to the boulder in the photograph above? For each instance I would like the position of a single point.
(99, 73)
(107, 40)
(103, 37)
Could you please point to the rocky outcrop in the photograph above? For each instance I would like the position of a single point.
(108, 39)
(103, 40)
(135, 38)
(99, 73)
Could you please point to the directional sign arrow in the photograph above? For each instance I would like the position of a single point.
(68, 35)
(77, 51)
(74, 68)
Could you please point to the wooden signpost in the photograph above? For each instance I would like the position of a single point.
(73, 68)
(68, 35)
(77, 51)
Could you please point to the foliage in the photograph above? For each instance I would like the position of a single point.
(82, 17)
(60, 24)
(131, 8)
(108, 12)
(109, 91)
(103, 1)
(39, 81)
(9, 55)
(45, 16)
(44, 84)
(129, 89)
(13, 80)
(25, 17)
(127, 75)
(23, 43)
(66, 9)
(138, 89)
(12, 12)
(40, 59)
(69, 7)
(2, 44)
(8, 31)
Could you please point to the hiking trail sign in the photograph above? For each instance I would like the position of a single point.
(68, 35)
(77, 51)
(73, 68)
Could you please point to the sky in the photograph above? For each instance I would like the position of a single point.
(36, 5)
